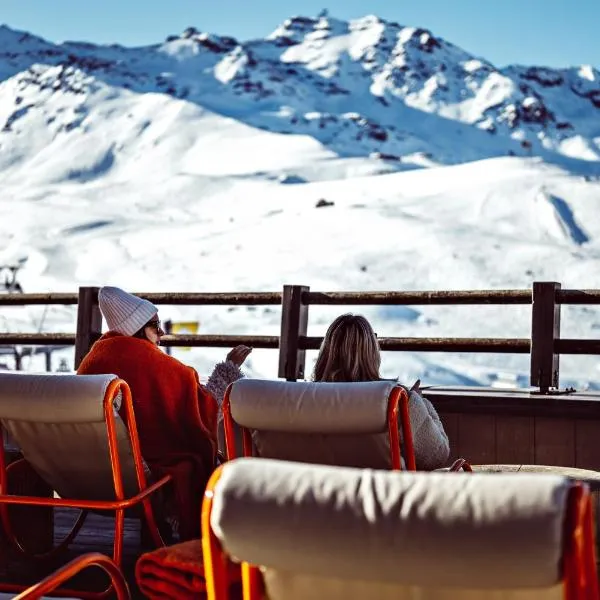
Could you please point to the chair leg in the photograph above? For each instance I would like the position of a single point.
(119, 532)
(28, 530)
(159, 532)
(148, 539)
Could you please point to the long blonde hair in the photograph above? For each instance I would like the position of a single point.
(349, 351)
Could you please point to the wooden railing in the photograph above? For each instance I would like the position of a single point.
(544, 345)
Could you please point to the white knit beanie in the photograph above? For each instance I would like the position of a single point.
(124, 313)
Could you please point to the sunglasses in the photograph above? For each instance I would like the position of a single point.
(156, 324)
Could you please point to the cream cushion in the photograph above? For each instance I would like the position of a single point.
(58, 423)
(309, 407)
(346, 526)
(323, 423)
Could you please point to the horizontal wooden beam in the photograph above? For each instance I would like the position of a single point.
(499, 345)
(214, 299)
(25, 299)
(38, 339)
(416, 298)
(578, 297)
(221, 341)
(488, 345)
(569, 346)
(443, 297)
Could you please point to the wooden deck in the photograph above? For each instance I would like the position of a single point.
(96, 535)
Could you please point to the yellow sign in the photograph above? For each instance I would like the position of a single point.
(185, 328)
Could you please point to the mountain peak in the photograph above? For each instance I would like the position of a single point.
(359, 87)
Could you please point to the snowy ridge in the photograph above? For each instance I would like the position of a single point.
(358, 155)
(358, 87)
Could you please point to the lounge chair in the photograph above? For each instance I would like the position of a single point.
(346, 424)
(306, 532)
(70, 433)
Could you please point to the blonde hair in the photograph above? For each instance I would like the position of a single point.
(349, 351)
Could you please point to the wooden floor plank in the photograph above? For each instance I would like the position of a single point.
(95, 536)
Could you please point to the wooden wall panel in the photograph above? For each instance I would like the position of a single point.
(515, 440)
(587, 444)
(477, 438)
(554, 442)
(450, 422)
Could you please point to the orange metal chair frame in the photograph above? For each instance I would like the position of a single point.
(397, 401)
(54, 580)
(579, 564)
(580, 579)
(118, 506)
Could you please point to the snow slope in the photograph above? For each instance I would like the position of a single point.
(197, 165)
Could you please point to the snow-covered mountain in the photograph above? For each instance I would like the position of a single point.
(357, 87)
(199, 164)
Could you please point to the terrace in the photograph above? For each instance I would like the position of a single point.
(540, 425)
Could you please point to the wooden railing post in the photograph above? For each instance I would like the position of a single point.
(168, 329)
(18, 359)
(545, 330)
(294, 324)
(89, 322)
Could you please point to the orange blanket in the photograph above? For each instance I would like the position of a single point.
(176, 417)
(178, 572)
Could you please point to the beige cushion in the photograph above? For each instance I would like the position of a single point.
(58, 423)
(482, 531)
(324, 423)
(309, 407)
(41, 397)
(282, 585)
(358, 451)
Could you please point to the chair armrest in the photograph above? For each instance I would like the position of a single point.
(54, 580)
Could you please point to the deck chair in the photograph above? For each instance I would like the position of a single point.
(71, 435)
(346, 424)
(306, 532)
(56, 579)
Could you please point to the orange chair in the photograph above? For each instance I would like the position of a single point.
(346, 424)
(56, 579)
(305, 531)
(70, 433)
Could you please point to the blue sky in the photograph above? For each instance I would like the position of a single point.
(545, 32)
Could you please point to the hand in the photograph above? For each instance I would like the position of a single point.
(416, 387)
(239, 354)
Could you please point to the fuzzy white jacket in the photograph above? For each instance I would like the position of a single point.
(223, 374)
(430, 441)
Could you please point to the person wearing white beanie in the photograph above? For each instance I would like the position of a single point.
(124, 313)
(176, 416)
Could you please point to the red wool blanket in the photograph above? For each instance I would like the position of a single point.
(176, 417)
(178, 572)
